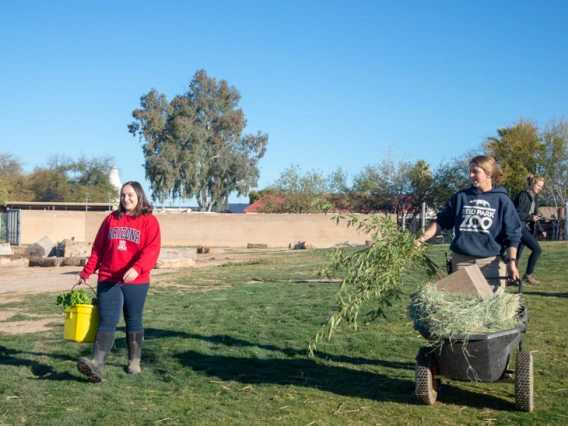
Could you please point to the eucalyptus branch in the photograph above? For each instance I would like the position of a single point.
(373, 272)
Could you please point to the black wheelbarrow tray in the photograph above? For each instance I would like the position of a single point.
(477, 357)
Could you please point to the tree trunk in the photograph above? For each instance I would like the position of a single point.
(73, 261)
(45, 261)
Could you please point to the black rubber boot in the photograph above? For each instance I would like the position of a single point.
(93, 368)
(134, 341)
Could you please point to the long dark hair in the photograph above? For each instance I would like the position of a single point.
(142, 208)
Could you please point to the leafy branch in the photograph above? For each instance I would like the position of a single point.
(373, 272)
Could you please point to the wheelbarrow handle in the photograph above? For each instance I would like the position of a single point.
(518, 282)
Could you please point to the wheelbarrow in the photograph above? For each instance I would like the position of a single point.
(477, 357)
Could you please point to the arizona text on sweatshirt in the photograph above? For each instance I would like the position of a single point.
(121, 244)
(484, 223)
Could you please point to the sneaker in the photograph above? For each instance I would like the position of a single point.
(530, 279)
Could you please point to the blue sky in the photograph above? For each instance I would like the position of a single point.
(333, 83)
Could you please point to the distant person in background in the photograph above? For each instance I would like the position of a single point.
(124, 252)
(526, 203)
(487, 228)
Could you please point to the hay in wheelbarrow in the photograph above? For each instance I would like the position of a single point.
(446, 315)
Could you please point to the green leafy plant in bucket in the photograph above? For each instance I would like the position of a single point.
(72, 298)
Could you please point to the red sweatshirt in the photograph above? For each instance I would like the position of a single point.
(121, 244)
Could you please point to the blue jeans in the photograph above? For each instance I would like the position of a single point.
(113, 298)
(528, 240)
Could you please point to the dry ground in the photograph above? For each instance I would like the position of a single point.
(18, 281)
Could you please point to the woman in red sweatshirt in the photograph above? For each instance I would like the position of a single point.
(124, 252)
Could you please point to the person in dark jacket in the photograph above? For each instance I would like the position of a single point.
(526, 203)
(486, 226)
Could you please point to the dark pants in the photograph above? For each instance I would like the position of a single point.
(527, 239)
(112, 299)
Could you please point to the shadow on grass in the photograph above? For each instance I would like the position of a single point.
(299, 370)
(540, 293)
(451, 394)
(223, 339)
(338, 380)
(42, 371)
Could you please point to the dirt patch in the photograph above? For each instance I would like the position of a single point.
(4, 315)
(25, 327)
(16, 281)
(217, 259)
(33, 280)
(10, 312)
(6, 300)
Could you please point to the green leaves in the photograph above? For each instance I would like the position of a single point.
(194, 146)
(301, 192)
(370, 273)
(72, 298)
(517, 149)
(525, 148)
(63, 179)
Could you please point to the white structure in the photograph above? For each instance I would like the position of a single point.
(115, 182)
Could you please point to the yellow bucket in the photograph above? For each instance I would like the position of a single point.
(81, 323)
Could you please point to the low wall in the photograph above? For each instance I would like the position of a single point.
(57, 225)
(193, 229)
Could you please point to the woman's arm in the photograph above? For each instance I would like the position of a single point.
(512, 271)
(148, 255)
(537, 226)
(444, 220)
(96, 256)
(432, 231)
(512, 227)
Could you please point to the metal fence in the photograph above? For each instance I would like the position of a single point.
(13, 226)
(3, 217)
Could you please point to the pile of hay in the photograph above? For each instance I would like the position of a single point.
(447, 315)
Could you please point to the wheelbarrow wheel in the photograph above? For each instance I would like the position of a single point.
(524, 387)
(427, 386)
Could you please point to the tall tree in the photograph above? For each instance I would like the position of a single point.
(366, 192)
(51, 185)
(10, 167)
(338, 182)
(421, 184)
(398, 187)
(12, 178)
(65, 179)
(301, 192)
(518, 149)
(555, 162)
(194, 145)
(450, 177)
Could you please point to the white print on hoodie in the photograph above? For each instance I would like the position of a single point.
(478, 217)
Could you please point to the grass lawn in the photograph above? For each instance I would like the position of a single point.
(228, 345)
